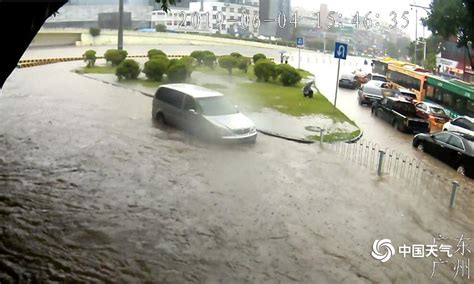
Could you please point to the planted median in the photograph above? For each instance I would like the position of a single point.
(256, 84)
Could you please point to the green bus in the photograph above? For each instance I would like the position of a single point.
(455, 95)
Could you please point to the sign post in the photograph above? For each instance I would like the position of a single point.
(300, 45)
(340, 52)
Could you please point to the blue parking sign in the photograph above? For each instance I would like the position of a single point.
(340, 50)
(300, 42)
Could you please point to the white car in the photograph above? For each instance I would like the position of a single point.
(462, 124)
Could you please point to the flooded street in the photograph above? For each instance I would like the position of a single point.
(92, 191)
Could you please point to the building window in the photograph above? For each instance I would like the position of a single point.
(214, 8)
(232, 10)
(223, 9)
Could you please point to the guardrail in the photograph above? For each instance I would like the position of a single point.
(407, 171)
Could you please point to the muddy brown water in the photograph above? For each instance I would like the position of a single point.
(92, 191)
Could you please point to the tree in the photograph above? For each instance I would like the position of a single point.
(198, 55)
(264, 69)
(32, 19)
(153, 52)
(288, 75)
(257, 57)
(177, 72)
(128, 69)
(228, 62)
(452, 18)
(115, 56)
(156, 67)
(160, 28)
(89, 57)
(94, 32)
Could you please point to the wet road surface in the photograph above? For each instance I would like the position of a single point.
(93, 191)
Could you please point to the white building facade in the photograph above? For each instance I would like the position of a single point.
(214, 17)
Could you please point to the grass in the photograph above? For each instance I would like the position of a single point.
(288, 100)
(223, 72)
(97, 70)
(335, 136)
(144, 82)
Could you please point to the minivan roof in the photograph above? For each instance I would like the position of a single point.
(193, 90)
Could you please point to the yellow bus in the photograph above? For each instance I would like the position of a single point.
(409, 76)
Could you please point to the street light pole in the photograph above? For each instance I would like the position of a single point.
(416, 31)
(120, 27)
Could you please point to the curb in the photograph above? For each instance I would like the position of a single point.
(25, 63)
(353, 140)
(285, 137)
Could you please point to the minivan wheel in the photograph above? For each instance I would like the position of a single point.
(461, 170)
(160, 118)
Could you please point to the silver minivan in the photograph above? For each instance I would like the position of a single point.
(203, 112)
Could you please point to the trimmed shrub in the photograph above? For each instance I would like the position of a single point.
(210, 60)
(115, 56)
(236, 54)
(228, 62)
(172, 62)
(189, 62)
(160, 28)
(243, 64)
(198, 55)
(162, 58)
(178, 72)
(155, 68)
(288, 75)
(128, 69)
(154, 52)
(264, 69)
(94, 32)
(257, 57)
(89, 57)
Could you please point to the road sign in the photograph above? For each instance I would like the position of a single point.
(300, 42)
(340, 51)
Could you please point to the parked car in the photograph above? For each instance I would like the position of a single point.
(454, 148)
(435, 114)
(202, 112)
(378, 77)
(463, 124)
(401, 114)
(373, 92)
(348, 81)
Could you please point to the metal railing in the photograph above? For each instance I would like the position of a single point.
(407, 171)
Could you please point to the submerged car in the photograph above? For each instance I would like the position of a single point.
(378, 77)
(401, 114)
(203, 112)
(408, 95)
(348, 81)
(435, 114)
(463, 124)
(454, 148)
(373, 92)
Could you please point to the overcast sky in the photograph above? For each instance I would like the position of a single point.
(348, 8)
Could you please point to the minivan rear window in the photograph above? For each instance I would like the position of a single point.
(171, 97)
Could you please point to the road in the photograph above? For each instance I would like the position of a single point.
(93, 191)
(375, 130)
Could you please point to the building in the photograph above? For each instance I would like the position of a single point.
(85, 13)
(276, 18)
(235, 17)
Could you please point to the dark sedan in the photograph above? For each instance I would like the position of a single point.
(455, 149)
(349, 81)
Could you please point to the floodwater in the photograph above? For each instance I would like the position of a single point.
(92, 191)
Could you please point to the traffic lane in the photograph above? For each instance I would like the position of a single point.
(375, 129)
(82, 161)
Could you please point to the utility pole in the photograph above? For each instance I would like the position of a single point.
(120, 27)
(416, 31)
